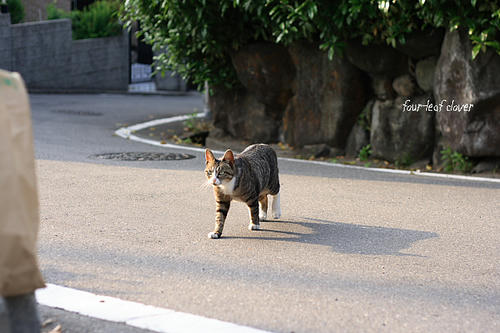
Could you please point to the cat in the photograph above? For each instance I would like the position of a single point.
(249, 177)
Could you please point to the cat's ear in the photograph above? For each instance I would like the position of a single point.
(229, 157)
(209, 156)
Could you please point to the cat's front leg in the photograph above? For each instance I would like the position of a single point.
(220, 218)
(253, 210)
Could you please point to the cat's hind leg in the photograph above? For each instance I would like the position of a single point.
(263, 207)
(276, 207)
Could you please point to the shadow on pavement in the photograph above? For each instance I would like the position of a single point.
(347, 237)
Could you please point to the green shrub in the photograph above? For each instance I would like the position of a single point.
(100, 19)
(454, 161)
(16, 10)
(54, 13)
(201, 34)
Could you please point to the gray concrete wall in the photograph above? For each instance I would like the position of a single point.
(49, 60)
(42, 53)
(5, 42)
(101, 63)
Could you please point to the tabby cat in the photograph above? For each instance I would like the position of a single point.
(249, 177)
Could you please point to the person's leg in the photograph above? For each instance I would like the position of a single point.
(4, 317)
(23, 313)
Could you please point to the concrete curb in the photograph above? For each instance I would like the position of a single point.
(127, 133)
(132, 313)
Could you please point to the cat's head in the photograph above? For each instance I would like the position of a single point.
(219, 172)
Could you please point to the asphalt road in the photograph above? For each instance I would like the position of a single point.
(355, 250)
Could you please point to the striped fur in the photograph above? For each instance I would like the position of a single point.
(249, 177)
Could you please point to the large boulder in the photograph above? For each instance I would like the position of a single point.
(469, 91)
(382, 87)
(375, 59)
(401, 135)
(238, 113)
(422, 44)
(266, 70)
(424, 73)
(328, 96)
(404, 86)
(254, 112)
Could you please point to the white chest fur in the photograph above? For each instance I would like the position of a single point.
(228, 187)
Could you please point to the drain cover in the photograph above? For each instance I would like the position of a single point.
(78, 113)
(138, 156)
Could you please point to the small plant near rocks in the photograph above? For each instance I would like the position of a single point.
(365, 119)
(191, 124)
(195, 130)
(454, 161)
(403, 161)
(365, 153)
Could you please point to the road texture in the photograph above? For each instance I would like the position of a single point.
(354, 250)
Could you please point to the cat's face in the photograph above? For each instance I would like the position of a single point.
(219, 172)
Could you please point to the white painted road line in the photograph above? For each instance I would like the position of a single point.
(127, 133)
(133, 313)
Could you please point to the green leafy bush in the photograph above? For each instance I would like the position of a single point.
(100, 19)
(201, 34)
(454, 161)
(54, 13)
(16, 10)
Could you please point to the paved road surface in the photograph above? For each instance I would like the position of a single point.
(354, 251)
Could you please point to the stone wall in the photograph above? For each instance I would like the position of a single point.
(49, 60)
(6, 42)
(405, 102)
(41, 53)
(100, 63)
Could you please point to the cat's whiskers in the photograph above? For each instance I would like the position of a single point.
(205, 185)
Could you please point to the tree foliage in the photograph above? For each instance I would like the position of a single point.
(202, 34)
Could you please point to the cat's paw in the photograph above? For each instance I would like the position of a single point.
(276, 215)
(262, 216)
(213, 235)
(252, 226)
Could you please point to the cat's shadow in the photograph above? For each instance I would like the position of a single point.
(344, 237)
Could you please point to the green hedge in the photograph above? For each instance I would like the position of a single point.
(201, 34)
(100, 19)
(16, 10)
